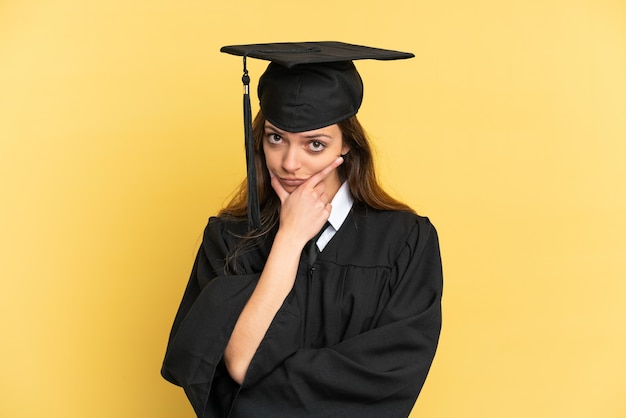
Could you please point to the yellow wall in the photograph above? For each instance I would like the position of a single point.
(120, 134)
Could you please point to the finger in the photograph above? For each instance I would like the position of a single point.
(321, 175)
(327, 210)
(323, 197)
(278, 188)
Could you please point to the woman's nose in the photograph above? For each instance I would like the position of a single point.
(291, 160)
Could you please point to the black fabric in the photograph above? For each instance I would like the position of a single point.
(290, 54)
(306, 86)
(310, 85)
(310, 96)
(355, 337)
(311, 247)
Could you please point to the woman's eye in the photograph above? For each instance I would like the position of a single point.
(274, 138)
(316, 146)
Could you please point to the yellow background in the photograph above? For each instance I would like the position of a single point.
(120, 133)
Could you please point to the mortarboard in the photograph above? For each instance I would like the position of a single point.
(306, 86)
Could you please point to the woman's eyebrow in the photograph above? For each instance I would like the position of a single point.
(273, 129)
(313, 135)
(318, 135)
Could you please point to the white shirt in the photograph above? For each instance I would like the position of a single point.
(341, 205)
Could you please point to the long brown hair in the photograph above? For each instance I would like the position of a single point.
(357, 169)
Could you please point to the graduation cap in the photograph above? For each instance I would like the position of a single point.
(306, 86)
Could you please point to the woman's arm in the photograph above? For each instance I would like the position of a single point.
(273, 287)
(302, 215)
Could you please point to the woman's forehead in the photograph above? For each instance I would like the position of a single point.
(327, 130)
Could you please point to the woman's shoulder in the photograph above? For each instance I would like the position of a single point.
(391, 220)
(228, 222)
(378, 238)
(395, 229)
(225, 228)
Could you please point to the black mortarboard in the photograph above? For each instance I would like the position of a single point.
(307, 85)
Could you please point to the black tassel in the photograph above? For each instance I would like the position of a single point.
(254, 211)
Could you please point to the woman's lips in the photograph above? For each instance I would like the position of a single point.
(292, 182)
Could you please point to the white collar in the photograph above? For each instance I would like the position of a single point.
(341, 205)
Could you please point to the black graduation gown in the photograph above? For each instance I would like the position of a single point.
(355, 337)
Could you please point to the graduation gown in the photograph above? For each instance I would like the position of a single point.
(354, 338)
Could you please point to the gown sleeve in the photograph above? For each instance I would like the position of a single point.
(210, 306)
(378, 373)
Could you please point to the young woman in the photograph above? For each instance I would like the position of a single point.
(331, 307)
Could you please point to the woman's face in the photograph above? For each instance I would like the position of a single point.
(294, 157)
